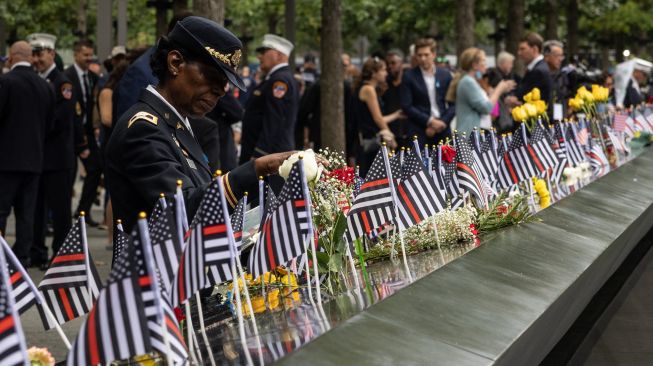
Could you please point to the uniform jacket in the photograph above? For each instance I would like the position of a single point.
(416, 104)
(149, 150)
(538, 77)
(26, 109)
(60, 144)
(83, 109)
(270, 116)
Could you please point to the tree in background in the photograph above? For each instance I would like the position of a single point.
(331, 83)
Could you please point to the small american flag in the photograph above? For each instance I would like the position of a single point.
(207, 249)
(418, 197)
(237, 221)
(641, 123)
(598, 161)
(575, 151)
(516, 164)
(158, 310)
(540, 150)
(22, 288)
(487, 160)
(13, 351)
(165, 241)
(285, 228)
(619, 122)
(469, 176)
(581, 132)
(116, 327)
(71, 284)
(373, 206)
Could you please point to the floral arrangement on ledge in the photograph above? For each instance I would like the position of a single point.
(533, 109)
(586, 101)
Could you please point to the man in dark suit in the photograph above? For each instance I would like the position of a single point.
(537, 71)
(55, 188)
(423, 91)
(26, 109)
(84, 83)
(271, 110)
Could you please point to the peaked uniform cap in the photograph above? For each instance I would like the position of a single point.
(212, 43)
(40, 41)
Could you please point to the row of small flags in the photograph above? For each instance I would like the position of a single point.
(158, 267)
(484, 164)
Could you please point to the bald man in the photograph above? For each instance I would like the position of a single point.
(27, 105)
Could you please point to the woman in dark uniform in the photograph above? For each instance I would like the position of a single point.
(153, 145)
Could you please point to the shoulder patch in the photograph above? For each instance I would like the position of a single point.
(279, 89)
(144, 116)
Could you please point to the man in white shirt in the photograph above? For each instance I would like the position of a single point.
(84, 83)
(537, 74)
(422, 93)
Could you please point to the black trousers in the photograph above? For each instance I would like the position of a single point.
(55, 196)
(18, 190)
(93, 166)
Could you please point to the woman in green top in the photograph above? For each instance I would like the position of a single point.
(473, 105)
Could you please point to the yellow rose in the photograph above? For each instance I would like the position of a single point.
(528, 97)
(605, 95)
(637, 134)
(535, 94)
(530, 109)
(541, 106)
(545, 202)
(517, 113)
(596, 92)
(588, 97)
(576, 103)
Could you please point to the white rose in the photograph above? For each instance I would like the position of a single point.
(571, 176)
(311, 169)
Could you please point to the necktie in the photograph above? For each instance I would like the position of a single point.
(87, 89)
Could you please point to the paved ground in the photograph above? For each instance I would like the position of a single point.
(31, 321)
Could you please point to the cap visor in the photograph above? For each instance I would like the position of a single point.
(233, 77)
(262, 49)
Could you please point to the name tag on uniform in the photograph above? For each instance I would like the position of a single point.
(191, 163)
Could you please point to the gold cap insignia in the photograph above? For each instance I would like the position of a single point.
(231, 59)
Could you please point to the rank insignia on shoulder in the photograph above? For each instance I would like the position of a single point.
(144, 116)
(279, 89)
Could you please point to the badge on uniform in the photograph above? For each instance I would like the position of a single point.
(78, 109)
(67, 91)
(257, 92)
(179, 126)
(191, 163)
(279, 89)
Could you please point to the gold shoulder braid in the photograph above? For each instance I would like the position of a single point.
(231, 59)
(144, 116)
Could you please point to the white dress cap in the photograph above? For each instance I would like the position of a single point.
(41, 41)
(272, 41)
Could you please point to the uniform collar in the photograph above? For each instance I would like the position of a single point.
(275, 68)
(48, 71)
(184, 120)
(21, 63)
(183, 135)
